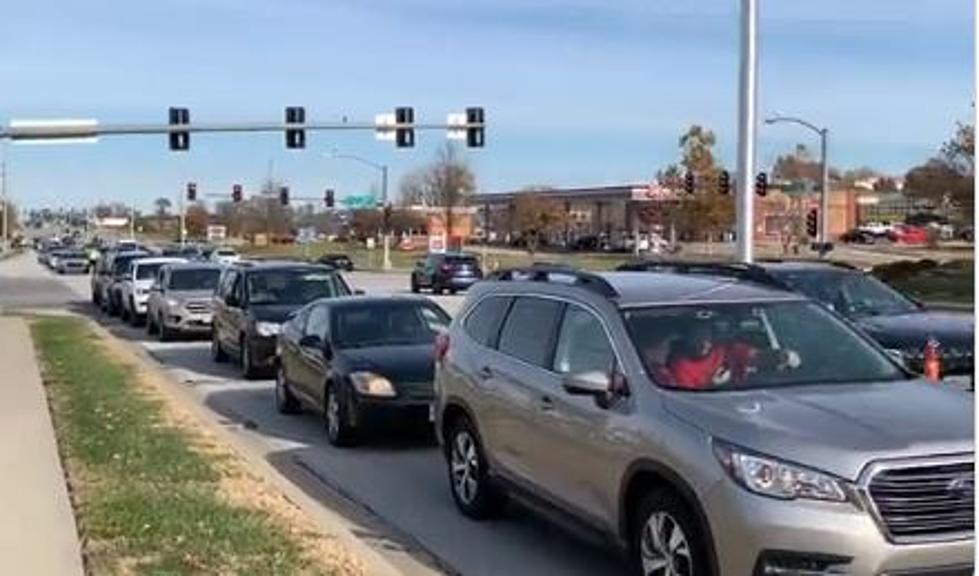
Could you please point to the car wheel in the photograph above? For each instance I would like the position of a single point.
(150, 324)
(248, 369)
(667, 538)
(285, 402)
(452, 291)
(472, 490)
(123, 313)
(414, 285)
(133, 316)
(217, 352)
(339, 432)
(166, 334)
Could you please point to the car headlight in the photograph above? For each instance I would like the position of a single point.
(267, 329)
(173, 302)
(774, 478)
(370, 384)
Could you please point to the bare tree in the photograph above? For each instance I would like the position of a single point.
(537, 217)
(445, 183)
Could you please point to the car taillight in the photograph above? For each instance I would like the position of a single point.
(932, 361)
(441, 346)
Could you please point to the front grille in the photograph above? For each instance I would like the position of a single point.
(925, 501)
(198, 307)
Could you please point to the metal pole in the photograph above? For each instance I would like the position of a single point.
(183, 221)
(824, 191)
(386, 241)
(3, 202)
(132, 221)
(747, 125)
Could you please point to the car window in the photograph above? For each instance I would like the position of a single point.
(528, 330)
(483, 323)
(147, 271)
(194, 279)
(753, 345)
(318, 321)
(850, 293)
(582, 345)
(435, 318)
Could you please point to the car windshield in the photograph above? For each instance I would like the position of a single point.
(388, 324)
(293, 287)
(121, 263)
(850, 293)
(194, 279)
(753, 345)
(147, 271)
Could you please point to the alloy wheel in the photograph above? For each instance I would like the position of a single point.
(465, 467)
(332, 414)
(664, 548)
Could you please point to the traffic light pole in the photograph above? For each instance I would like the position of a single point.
(824, 193)
(383, 169)
(747, 127)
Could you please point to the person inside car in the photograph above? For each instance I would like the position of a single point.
(701, 360)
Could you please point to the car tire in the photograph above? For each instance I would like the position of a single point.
(414, 286)
(123, 313)
(166, 334)
(285, 402)
(248, 369)
(133, 317)
(452, 291)
(218, 354)
(680, 543)
(339, 432)
(151, 329)
(472, 489)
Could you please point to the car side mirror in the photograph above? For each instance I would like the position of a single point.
(232, 301)
(593, 383)
(311, 341)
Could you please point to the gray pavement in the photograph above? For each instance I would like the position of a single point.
(37, 526)
(397, 487)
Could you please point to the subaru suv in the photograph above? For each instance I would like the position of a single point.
(705, 424)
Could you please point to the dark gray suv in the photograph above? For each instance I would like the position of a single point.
(706, 424)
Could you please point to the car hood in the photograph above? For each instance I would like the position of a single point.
(836, 428)
(277, 313)
(414, 364)
(914, 329)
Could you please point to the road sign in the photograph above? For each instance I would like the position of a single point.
(306, 235)
(62, 131)
(216, 233)
(384, 126)
(454, 120)
(361, 202)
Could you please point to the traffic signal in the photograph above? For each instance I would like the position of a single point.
(387, 217)
(475, 130)
(404, 135)
(761, 184)
(191, 191)
(812, 222)
(688, 183)
(236, 193)
(179, 140)
(328, 197)
(295, 137)
(284, 195)
(724, 182)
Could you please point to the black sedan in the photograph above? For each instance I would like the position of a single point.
(361, 362)
(337, 261)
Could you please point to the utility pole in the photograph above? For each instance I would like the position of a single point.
(3, 202)
(747, 127)
(387, 225)
(132, 221)
(183, 220)
(824, 193)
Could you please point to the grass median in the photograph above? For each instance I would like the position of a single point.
(149, 496)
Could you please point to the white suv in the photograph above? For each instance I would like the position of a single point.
(135, 289)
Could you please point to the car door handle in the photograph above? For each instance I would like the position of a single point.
(485, 373)
(546, 404)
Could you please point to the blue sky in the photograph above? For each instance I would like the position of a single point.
(576, 92)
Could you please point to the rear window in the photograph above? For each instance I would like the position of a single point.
(528, 331)
(463, 260)
(293, 287)
(147, 271)
(483, 323)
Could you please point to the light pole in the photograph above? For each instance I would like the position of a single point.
(383, 169)
(747, 128)
(824, 184)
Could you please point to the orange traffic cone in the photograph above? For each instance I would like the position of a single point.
(933, 361)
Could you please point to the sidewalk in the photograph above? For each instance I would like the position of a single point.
(37, 527)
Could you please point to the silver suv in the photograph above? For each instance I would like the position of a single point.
(707, 425)
(180, 300)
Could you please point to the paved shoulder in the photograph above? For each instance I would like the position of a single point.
(37, 527)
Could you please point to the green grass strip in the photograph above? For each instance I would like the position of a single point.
(146, 501)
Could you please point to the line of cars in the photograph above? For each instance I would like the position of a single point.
(705, 419)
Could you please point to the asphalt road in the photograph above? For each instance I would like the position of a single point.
(397, 487)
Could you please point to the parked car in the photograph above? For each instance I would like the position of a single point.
(338, 261)
(224, 255)
(362, 362)
(252, 301)
(705, 424)
(586, 244)
(858, 236)
(110, 270)
(449, 271)
(181, 299)
(906, 234)
(897, 322)
(876, 229)
(967, 233)
(70, 262)
(134, 290)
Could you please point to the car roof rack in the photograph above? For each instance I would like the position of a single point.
(541, 272)
(736, 270)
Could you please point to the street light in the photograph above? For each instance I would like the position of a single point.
(824, 185)
(383, 169)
